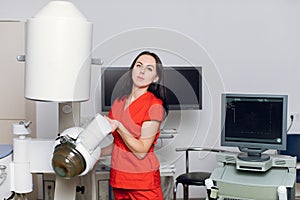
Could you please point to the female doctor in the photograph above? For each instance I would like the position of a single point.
(136, 116)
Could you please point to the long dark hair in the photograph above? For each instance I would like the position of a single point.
(157, 88)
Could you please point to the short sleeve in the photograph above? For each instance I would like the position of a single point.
(155, 112)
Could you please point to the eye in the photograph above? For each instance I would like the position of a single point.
(149, 69)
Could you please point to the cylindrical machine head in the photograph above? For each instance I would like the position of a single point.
(78, 149)
(67, 162)
(58, 54)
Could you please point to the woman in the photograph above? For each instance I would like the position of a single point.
(136, 116)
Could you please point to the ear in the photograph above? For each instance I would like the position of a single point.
(155, 79)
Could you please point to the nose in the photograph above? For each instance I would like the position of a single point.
(142, 70)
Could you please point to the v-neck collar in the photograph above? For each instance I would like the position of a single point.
(133, 102)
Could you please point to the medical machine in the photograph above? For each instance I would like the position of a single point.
(254, 123)
(77, 149)
(5, 160)
(74, 153)
(258, 180)
(57, 69)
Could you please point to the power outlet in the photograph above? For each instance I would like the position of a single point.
(103, 190)
(49, 190)
(297, 116)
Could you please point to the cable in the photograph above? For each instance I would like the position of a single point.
(290, 126)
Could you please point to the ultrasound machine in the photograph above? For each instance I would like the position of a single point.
(254, 123)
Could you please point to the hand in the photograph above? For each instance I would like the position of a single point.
(114, 123)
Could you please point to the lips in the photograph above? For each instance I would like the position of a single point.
(140, 78)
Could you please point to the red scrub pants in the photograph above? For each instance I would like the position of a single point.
(126, 194)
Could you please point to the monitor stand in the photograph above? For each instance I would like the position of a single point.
(253, 155)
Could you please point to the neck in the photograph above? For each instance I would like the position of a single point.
(136, 92)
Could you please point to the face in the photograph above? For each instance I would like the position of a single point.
(144, 71)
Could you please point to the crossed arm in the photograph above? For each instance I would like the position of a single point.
(139, 147)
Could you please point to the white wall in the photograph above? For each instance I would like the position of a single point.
(243, 46)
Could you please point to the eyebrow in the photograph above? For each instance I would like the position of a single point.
(139, 62)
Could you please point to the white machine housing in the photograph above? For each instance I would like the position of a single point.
(84, 140)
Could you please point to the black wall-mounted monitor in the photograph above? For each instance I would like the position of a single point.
(183, 83)
(254, 123)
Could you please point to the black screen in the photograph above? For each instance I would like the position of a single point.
(183, 84)
(254, 120)
(111, 83)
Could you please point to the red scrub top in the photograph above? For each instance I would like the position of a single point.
(127, 171)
